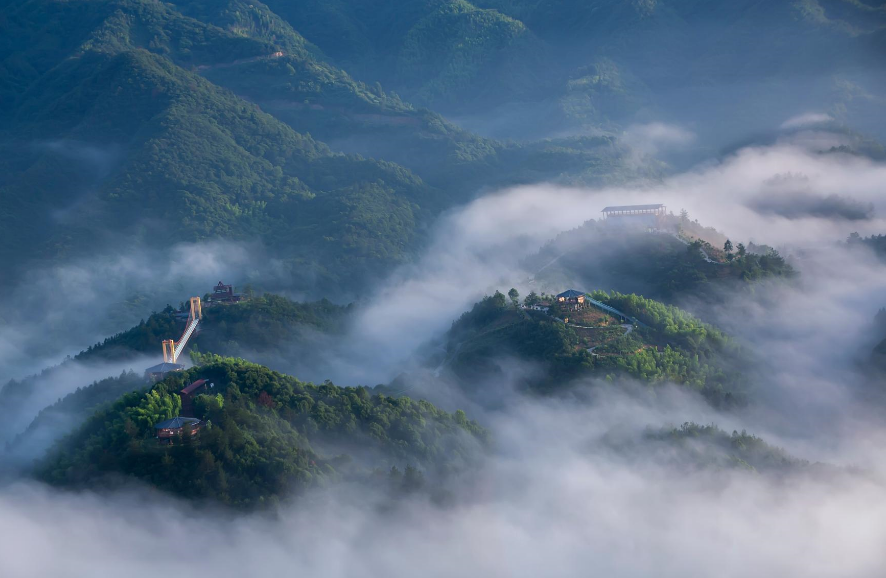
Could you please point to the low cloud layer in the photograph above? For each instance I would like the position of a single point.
(807, 119)
(553, 502)
(800, 205)
(62, 310)
(656, 139)
(55, 383)
(554, 499)
(477, 249)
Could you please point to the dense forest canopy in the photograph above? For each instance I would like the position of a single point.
(876, 243)
(65, 415)
(268, 325)
(266, 436)
(122, 120)
(592, 63)
(670, 346)
(195, 120)
(705, 446)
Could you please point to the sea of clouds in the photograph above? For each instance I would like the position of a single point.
(552, 499)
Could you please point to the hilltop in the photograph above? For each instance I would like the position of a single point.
(265, 326)
(662, 265)
(653, 343)
(695, 447)
(266, 436)
(267, 323)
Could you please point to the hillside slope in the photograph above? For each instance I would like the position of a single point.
(657, 265)
(264, 327)
(668, 345)
(105, 128)
(715, 65)
(695, 447)
(64, 416)
(270, 436)
(118, 117)
(195, 163)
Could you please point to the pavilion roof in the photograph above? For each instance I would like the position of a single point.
(632, 208)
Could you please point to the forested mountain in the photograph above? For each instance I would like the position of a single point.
(693, 447)
(594, 62)
(365, 174)
(117, 117)
(266, 326)
(569, 343)
(171, 156)
(661, 266)
(268, 436)
(194, 120)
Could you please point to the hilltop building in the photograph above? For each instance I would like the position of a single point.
(571, 296)
(161, 370)
(190, 392)
(223, 295)
(635, 216)
(166, 430)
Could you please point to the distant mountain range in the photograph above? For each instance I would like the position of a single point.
(119, 126)
(138, 121)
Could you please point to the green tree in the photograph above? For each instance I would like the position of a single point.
(156, 406)
(256, 450)
(515, 296)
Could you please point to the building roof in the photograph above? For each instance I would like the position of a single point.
(176, 422)
(570, 294)
(164, 368)
(193, 387)
(632, 208)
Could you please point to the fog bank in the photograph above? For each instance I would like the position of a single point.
(554, 501)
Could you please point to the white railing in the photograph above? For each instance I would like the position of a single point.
(180, 346)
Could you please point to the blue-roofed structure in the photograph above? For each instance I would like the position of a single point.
(570, 294)
(573, 297)
(176, 426)
(176, 422)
